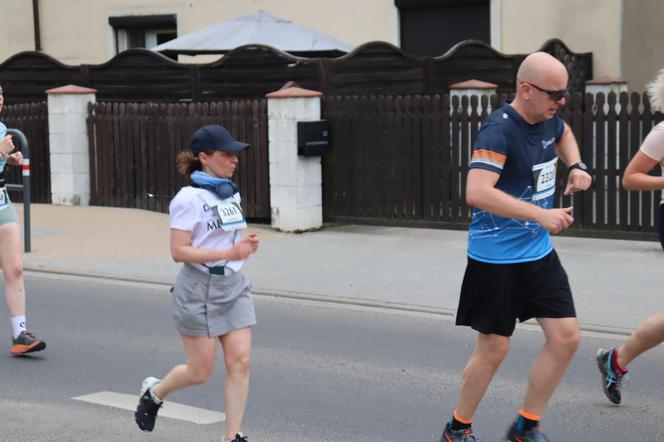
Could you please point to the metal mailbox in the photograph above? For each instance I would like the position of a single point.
(313, 138)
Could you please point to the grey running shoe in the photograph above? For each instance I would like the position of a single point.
(239, 437)
(146, 411)
(458, 435)
(532, 435)
(26, 343)
(611, 381)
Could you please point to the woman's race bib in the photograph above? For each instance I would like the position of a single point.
(231, 216)
(544, 177)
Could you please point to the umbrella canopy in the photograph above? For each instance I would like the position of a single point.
(256, 28)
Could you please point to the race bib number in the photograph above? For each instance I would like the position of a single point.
(231, 216)
(544, 177)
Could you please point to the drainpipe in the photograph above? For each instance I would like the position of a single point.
(35, 18)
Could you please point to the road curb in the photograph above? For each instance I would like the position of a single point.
(595, 328)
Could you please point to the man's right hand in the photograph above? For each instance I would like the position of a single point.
(556, 220)
(7, 145)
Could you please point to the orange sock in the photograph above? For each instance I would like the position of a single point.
(526, 421)
(458, 423)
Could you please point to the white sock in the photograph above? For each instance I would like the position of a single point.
(18, 325)
(155, 399)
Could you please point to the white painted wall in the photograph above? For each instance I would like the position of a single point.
(585, 26)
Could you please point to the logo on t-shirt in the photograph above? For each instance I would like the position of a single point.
(547, 143)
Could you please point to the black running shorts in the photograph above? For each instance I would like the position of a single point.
(493, 296)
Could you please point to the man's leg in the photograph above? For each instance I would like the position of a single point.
(562, 340)
(482, 365)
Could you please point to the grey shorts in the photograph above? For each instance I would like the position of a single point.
(8, 215)
(211, 305)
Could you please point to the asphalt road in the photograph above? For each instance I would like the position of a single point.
(321, 372)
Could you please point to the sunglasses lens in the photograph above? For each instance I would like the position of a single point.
(557, 95)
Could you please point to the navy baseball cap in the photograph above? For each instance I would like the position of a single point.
(214, 136)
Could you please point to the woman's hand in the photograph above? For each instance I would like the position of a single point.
(253, 240)
(15, 159)
(6, 145)
(241, 250)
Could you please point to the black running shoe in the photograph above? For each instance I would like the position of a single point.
(458, 435)
(611, 381)
(239, 437)
(146, 412)
(26, 343)
(532, 435)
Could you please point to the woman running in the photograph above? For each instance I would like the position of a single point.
(211, 297)
(650, 333)
(11, 254)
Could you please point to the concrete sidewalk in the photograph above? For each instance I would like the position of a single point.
(616, 283)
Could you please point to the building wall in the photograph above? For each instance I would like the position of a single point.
(522, 26)
(77, 31)
(16, 30)
(642, 54)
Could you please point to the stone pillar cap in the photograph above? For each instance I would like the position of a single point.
(606, 80)
(473, 84)
(293, 92)
(71, 89)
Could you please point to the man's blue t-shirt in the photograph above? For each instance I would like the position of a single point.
(524, 156)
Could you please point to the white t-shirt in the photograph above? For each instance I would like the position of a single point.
(195, 210)
(653, 146)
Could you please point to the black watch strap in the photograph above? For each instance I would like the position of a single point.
(578, 165)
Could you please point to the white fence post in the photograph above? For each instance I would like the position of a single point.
(606, 86)
(296, 194)
(470, 88)
(68, 144)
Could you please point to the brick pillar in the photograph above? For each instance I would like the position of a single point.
(68, 144)
(296, 195)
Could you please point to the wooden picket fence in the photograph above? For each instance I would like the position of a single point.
(404, 159)
(32, 120)
(133, 148)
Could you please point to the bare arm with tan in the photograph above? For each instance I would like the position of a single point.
(651, 152)
(636, 174)
(481, 192)
(6, 145)
(183, 251)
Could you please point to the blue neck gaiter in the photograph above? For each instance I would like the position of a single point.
(223, 187)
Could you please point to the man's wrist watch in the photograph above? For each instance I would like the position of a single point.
(579, 165)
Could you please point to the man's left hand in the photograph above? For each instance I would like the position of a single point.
(577, 180)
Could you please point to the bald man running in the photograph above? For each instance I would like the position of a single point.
(513, 272)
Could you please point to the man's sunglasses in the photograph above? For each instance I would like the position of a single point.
(553, 95)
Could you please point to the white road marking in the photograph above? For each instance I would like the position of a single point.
(170, 409)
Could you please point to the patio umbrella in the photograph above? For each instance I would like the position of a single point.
(256, 28)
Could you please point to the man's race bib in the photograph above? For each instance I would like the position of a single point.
(231, 216)
(544, 177)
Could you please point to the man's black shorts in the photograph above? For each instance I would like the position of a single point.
(493, 296)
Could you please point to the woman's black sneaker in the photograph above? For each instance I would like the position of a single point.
(148, 405)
